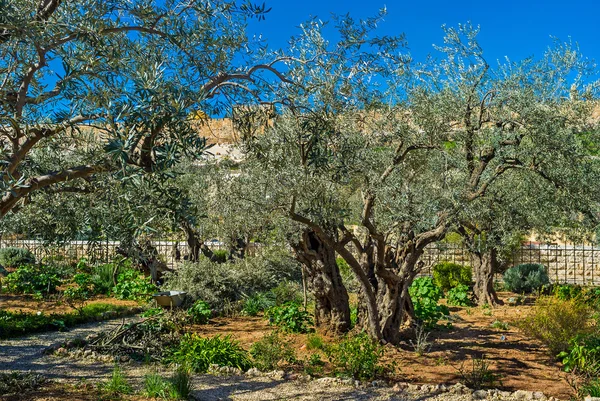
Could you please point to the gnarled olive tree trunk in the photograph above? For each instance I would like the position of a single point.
(332, 308)
(485, 265)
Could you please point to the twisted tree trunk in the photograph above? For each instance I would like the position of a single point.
(332, 308)
(484, 267)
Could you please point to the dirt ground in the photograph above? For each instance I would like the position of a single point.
(520, 362)
(26, 303)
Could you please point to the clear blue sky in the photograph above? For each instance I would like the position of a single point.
(512, 28)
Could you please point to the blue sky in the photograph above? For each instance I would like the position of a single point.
(517, 29)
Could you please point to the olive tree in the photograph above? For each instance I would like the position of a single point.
(133, 75)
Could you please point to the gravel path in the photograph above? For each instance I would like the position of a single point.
(26, 354)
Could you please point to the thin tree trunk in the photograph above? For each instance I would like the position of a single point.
(484, 267)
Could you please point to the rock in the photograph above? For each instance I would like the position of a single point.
(412, 388)
(459, 388)
(400, 387)
(124, 358)
(538, 395)
(523, 395)
(590, 398)
(61, 351)
(277, 374)
(378, 383)
(87, 353)
(292, 376)
(253, 372)
(480, 394)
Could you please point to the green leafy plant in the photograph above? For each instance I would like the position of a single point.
(500, 325)
(155, 385)
(33, 279)
(200, 312)
(314, 341)
(76, 296)
(425, 296)
(131, 284)
(258, 302)
(447, 275)
(556, 322)
(459, 296)
(356, 356)
(567, 291)
(117, 384)
(16, 257)
(220, 255)
(199, 353)
(583, 355)
(270, 351)
(181, 384)
(290, 317)
(591, 388)
(526, 278)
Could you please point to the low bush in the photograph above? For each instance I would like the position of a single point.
(199, 353)
(556, 322)
(131, 284)
(34, 279)
(117, 384)
(259, 302)
(290, 317)
(460, 296)
(220, 255)
(76, 296)
(315, 342)
(447, 275)
(105, 275)
(270, 351)
(16, 257)
(180, 384)
(526, 278)
(479, 375)
(425, 296)
(13, 324)
(356, 356)
(567, 291)
(200, 312)
(591, 388)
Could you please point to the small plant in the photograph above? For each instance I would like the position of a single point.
(199, 353)
(356, 356)
(479, 375)
(591, 388)
(425, 296)
(200, 312)
(486, 309)
(421, 344)
(555, 322)
(117, 385)
(583, 356)
(78, 295)
(290, 317)
(180, 384)
(447, 275)
(259, 302)
(34, 279)
(270, 351)
(156, 386)
(220, 255)
(459, 296)
(131, 284)
(526, 278)
(500, 325)
(315, 342)
(566, 292)
(16, 257)
(314, 365)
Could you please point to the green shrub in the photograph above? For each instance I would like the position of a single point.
(180, 384)
(583, 355)
(567, 291)
(105, 276)
(314, 342)
(200, 312)
(425, 296)
(131, 284)
(220, 255)
(591, 388)
(117, 384)
(526, 278)
(270, 351)
(216, 283)
(556, 322)
(77, 295)
(15, 257)
(257, 303)
(447, 275)
(156, 386)
(199, 353)
(290, 317)
(287, 291)
(356, 356)
(33, 279)
(459, 296)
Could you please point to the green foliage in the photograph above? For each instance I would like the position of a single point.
(526, 278)
(287, 291)
(181, 384)
(259, 302)
(356, 356)
(77, 295)
(16, 257)
(131, 284)
(105, 276)
(199, 353)
(479, 375)
(290, 317)
(447, 275)
(117, 384)
(18, 382)
(425, 296)
(33, 279)
(156, 386)
(459, 296)
(270, 351)
(591, 388)
(556, 322)
(583, 355)
(314, 342)
(200, 312)
(500, 325)
(220, 255)
(18, 323)
(567, 291)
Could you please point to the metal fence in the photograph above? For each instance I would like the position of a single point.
(566, 263)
